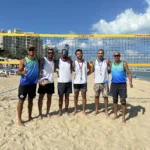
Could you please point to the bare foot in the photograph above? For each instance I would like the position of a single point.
(60, 113)
(40, 117)
(74, 113)
(20, 123)
(114, 118)
(84, 113)
(66, 113)
(107, 116)
(95, 113)
(123, 120)
(30, 119)
(48, 116)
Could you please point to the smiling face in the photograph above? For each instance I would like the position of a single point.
(79, 54)
(64, 53)
(117, 56)
(31, 51)
(50, 53)
(100, 54)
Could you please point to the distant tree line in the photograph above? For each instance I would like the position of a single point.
(14, 55)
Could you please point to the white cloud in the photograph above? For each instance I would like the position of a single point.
(126, 22)
(131, 53)
(72, 42)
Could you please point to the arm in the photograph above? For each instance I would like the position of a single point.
(73, 66)
(41, 62)
(56, 66)
(21, 70)
(129, 73)
(92, 67)
(89, 67)
(109, 65)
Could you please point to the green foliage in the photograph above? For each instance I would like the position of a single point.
(14, 55)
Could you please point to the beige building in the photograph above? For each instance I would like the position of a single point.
(15, 43)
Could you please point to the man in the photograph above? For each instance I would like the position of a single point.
(80, 67)
(64, 80)
(28, 69)
(46, 71)
(101, 68)
(118, 86)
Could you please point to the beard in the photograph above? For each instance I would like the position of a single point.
(65, 57)
(80, 58)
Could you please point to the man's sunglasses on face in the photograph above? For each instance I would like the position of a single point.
(50, 53)
(116, 55)
(31, 49)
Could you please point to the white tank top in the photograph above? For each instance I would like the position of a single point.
(48, 70)
(101, 71)
(65, 75)
(80, 75)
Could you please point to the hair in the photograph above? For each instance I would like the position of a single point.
(100, 50)
(78, 50)
(117, 52)
(64, 50)
(50, 49)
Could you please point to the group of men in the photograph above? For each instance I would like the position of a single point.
(32, 70)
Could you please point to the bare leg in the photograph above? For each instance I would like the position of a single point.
(30, 105)
(66, 102)
(76, 94)
(96, 104)
(40, 103)
(60, 104)
(106, 106)
(19, 110)
(115, 110)
(123, 101)
(48, 104)
(83, 102)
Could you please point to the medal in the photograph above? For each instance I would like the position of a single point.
(80, 67)
(100, 65)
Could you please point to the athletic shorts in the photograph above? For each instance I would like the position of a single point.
(101, 87)
(64, 88)
(25, 90)
(80, 87)
(118, 89)
(47, 89)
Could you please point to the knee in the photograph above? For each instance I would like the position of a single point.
(115, 100)
(123, 102)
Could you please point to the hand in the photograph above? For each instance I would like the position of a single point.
(40, 82)
(131, 85)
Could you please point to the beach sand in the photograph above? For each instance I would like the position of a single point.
(76, 132)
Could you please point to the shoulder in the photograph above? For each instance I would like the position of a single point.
(125, 63)
(107, 60)
(23, 61)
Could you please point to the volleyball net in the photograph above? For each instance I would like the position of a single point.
(134, 48)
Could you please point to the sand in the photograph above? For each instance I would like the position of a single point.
(76, 132)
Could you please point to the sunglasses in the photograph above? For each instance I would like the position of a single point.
(65, 53)
(116, 55)
(31, 49)
(50, 53)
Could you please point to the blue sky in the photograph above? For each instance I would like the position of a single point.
(63, 16)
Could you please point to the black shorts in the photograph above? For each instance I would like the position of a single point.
(64, 88)
(47, 89)
(118, 89)
(25, 90)
(80, 87)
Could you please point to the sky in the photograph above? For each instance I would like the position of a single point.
(76, 16)
(83, 17)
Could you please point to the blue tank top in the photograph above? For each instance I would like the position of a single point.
(32, 75)
(118, 73)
